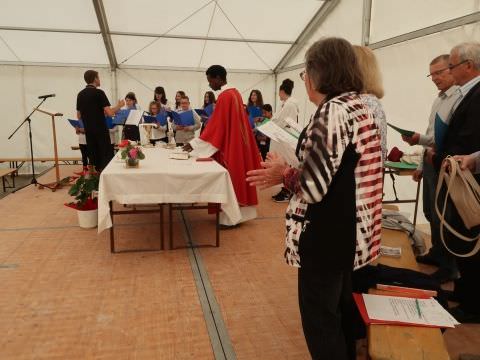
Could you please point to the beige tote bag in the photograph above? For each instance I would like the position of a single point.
(465, 193)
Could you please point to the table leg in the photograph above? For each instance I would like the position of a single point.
(3, 183)
(170, 225)
(162, 246)
(217, 227)
(416, 206)
(112, 235)
(13, 180)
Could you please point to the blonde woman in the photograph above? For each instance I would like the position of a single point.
(372, 90)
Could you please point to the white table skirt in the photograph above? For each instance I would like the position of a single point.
(162, 180)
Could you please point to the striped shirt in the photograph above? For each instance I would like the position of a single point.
(341, 121)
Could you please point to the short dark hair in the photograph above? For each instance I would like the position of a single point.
(267, 107)
(287, 86)
(443, 57)
(185, 97)
(217, 71)
(90, 76)
(332, 67)
(131, 95)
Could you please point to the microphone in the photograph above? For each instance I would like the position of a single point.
(46, 96)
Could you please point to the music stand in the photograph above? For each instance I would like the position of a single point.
(29, 121)
(56, 184)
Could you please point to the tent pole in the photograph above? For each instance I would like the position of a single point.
(275, 95)
(107, 39)
(367, 17)
(447, 25)
(114, 80)
(311, 27)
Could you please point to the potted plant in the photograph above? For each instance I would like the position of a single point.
(131, 153)
(84, 190)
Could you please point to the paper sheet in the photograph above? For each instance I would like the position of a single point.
(286, 144)
(401, 309)
(134, 117)
(289, 126)
(276, 133)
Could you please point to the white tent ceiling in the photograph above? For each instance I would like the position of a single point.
(248, 35)
(192, 34)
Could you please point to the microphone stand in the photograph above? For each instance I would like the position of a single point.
(27, 119)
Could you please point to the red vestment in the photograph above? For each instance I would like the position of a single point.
(229, 131)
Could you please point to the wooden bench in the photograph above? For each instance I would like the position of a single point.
(5, 172)
(403, 342)
(17, 162)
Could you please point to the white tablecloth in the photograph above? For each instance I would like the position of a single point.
(163, 180)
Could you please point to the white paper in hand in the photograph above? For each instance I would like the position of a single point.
(134, 117)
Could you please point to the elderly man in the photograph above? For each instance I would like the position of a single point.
(438, 120)
(462, 138)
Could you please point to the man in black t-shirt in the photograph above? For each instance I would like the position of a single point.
(92, 106)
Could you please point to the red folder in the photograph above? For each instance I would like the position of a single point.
(402, 291)
(363, 312)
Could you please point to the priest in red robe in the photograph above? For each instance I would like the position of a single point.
(229, 139)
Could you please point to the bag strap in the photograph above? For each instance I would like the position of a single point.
(468, 178)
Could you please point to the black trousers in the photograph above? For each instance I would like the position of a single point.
(264, 148)
(84, 152)
(131, 132)
(438, 252)
(154, 141)
(326, 308)
(100, 150)
(467, 287)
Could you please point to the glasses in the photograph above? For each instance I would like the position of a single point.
(450, 66)
(302, 74)
(438, 72)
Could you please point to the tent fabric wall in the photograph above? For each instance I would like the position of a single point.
(407, 102)
(26, 83)
(345, 20)
(143, 82)
(392, 17)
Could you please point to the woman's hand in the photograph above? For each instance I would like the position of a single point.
(270, 175)
(466, 162)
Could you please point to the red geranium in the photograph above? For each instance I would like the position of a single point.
(90, 204)
(124, 143)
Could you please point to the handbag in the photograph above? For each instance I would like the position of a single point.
(464, 191)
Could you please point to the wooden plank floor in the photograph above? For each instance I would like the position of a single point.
(64, 296)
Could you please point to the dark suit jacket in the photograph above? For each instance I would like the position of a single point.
(462, 138)
(463, 135)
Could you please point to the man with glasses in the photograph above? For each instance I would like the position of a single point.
(463, 138)
(438, 120)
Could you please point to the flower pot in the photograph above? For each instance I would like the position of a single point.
(87, 219)
(132, 163)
